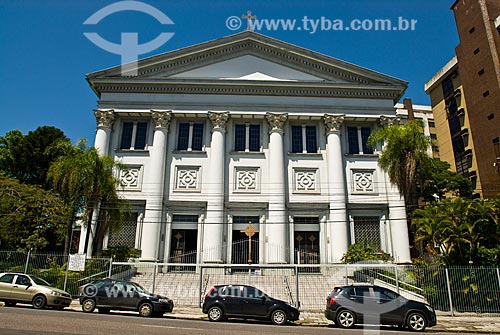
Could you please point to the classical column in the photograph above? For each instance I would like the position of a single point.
(276, 226)
(153, 186)
(338, 228)
(214, 223)
(104, 120)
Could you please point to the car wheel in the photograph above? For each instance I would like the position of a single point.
(39, 301)
(103, 310)
(416, 322)
(88, 305)
(346, 319)
(10, 304)
(279, 317)
(215, 313)
(146, 309)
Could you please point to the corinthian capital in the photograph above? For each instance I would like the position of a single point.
(276, 121)
(161, 118)
(218, 119)
(333, 122)
(389, 120)
(104, 118)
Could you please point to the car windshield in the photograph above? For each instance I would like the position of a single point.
(139, 288)
(39, 281)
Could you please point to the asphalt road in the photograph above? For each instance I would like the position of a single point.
(25, 320)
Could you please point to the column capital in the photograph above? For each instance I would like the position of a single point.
(104, 118)
(385, 121)
(161, 118)
(333, 122)
(276, 121)
(219, 120)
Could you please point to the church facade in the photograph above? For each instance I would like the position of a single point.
(247, 149)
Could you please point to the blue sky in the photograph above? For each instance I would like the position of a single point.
(45, 55)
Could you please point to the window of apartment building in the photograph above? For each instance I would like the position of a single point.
(432, 124)
(496, 146)
(134, 135)
(247, 137)
(190, 136)
(304, 139)
(358, 140)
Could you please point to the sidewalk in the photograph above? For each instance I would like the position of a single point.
(445, 323)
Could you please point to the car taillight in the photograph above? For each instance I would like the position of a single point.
(209, 292)
(332, 301)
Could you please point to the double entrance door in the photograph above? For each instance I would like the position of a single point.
(245, 249)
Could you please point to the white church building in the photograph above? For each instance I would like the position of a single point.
(249, 135)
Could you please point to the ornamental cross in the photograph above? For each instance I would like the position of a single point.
(249, 17)
(249, 231)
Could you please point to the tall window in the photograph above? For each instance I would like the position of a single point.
(304, 139)
(134, 135)
(247, 137)
(358, 140)
(190, 136)
(367, 229)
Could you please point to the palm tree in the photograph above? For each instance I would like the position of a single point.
(405, 146)
(86, 180)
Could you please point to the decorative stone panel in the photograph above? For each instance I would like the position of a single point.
(306, 180)
(363, 181)
(131, 178)
(187, 178)
(247, 179)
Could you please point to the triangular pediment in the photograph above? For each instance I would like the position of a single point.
(251, 58)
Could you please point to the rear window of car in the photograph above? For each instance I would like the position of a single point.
(231, 291)
(7, 278)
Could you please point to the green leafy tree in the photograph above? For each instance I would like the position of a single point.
(86, 180)
(27, 157)
(30, 217)
(362, 251)
(405, 147)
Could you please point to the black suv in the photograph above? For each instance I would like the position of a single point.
(243, 301)
(110, 294)
(348, 305)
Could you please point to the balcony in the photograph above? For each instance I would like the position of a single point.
(465, 136)
(461, 116)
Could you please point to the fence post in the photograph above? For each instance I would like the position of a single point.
(498, 276)
(110, 267)
(200, 294)
(66, 275)
(27, 261)
(449, 291)
(396, 277)
(154, 278)
(297, 303)
(346, 278)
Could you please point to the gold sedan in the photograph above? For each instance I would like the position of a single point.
(27, 289)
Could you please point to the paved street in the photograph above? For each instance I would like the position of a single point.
(25, 320)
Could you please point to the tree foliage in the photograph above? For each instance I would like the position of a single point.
(30, 217)
(362, 252)
(460, 231)
(87, 182)
(27, 157)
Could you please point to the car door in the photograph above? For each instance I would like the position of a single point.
(21, 289)
(253, 302)
(6, 285)
(364, 301)
(231, 297)
(390, 305)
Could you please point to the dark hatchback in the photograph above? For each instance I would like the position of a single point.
(247, 302)
(350, 305)
(110, 294)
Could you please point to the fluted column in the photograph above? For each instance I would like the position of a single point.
(338, 228)
(104, 120)
(153, 187)
(276, 226)
(214, 223)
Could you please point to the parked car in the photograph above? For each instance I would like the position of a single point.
(247, 302)
(111, 294)
(28, 289)
(350, 305)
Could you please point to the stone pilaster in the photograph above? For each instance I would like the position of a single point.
(104, 119)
